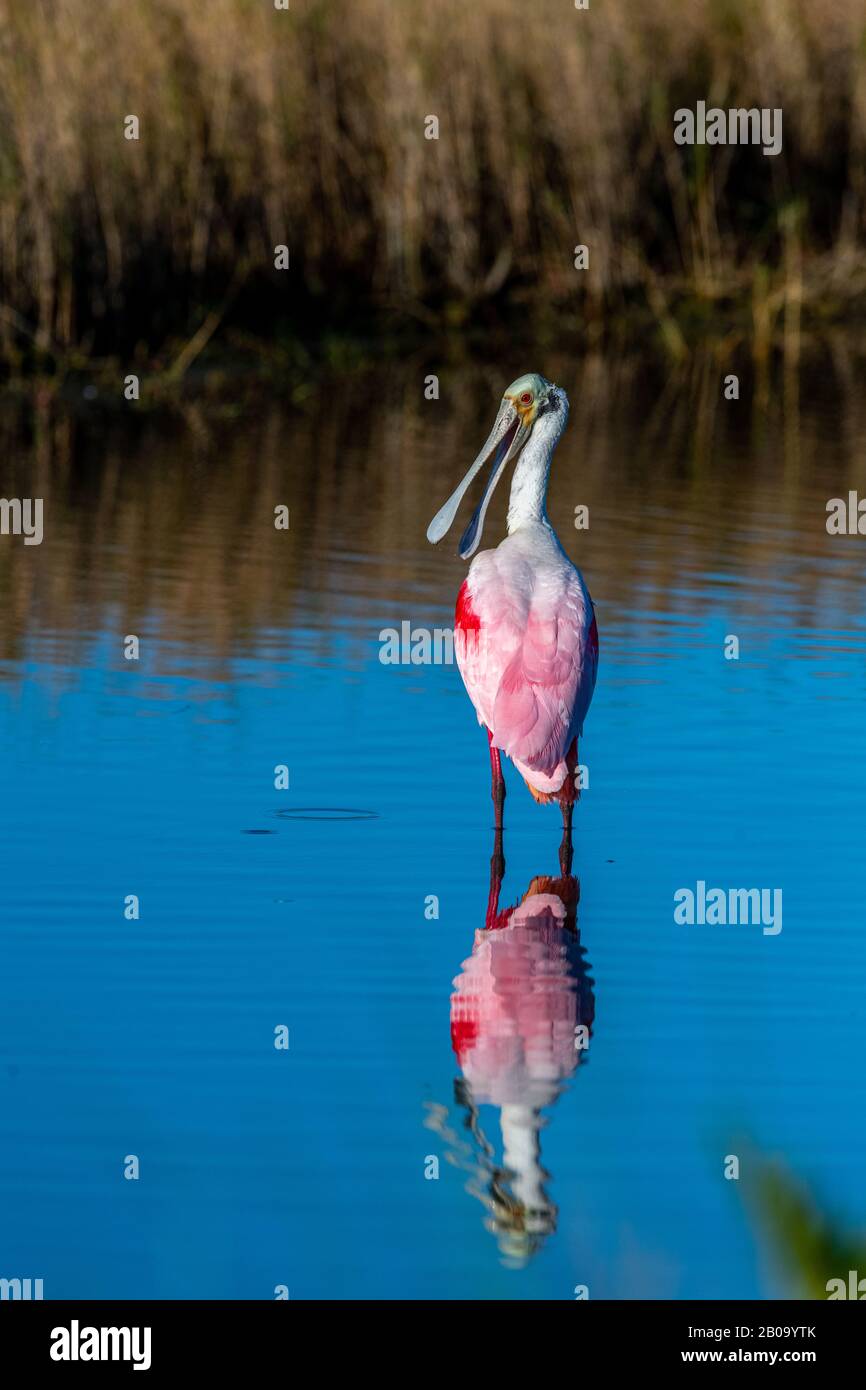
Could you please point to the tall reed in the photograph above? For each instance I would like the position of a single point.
(306, 127)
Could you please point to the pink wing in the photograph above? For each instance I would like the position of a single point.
(527, 649)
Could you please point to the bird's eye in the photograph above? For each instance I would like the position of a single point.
(526, 398)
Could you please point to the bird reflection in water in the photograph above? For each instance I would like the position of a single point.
(521, 1018)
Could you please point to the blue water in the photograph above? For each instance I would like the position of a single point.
(305, 907)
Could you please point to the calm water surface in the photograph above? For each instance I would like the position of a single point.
(307, 907)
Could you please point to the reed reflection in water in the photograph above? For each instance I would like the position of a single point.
(170, 522)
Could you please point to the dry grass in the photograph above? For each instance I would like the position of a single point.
(307, 127)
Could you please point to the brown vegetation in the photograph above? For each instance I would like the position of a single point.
(306, 127)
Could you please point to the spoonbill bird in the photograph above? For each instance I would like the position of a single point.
(526, 639)
(518, 1005)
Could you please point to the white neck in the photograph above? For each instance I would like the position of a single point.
(521, 1153)
(528, 499)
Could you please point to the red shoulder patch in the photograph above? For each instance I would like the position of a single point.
(464, 1034)
(465, 616)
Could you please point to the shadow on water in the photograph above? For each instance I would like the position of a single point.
(522, 1013)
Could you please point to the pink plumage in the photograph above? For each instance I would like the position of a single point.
(529, 665)
(526, 636)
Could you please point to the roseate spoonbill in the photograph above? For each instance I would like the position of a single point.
(526, 639)
(522, 1014)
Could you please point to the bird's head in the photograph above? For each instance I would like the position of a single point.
(525, 402)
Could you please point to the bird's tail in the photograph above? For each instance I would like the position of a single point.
(561, 786)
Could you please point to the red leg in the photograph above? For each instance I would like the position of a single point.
(497, 790)
(570, 793)
(497, 873)
(565, 850)
(497, 861)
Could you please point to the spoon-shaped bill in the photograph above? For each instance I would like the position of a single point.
(471, 537)
(507, 435)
